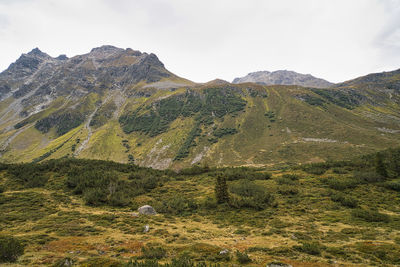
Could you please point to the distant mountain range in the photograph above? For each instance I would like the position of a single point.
(124, 105)
(283, 77)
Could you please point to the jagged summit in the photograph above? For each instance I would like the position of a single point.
(283, 77)
(37, 53)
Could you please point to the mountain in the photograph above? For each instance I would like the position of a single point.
(124, 105)
(283, 77)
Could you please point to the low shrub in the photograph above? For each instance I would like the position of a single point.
(285, 181)
(339, 171)
(368, 176)
(250, 195)
(393, 185)
(151, 252)
(312, 248)
(370, 215)
(177, 205)
(242, 258)
(10, 248)
(293, 177)
(288, 190)
(195, 170)
(210, 203)
(341, 183)
(239, 173)
(316, 168)
(344, 200)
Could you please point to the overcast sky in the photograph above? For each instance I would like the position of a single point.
(202, 40)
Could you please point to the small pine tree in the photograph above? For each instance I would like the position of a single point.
(380, 165)
(221, 190)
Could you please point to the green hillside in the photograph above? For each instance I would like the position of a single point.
(222, 125)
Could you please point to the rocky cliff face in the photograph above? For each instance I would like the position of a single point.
(283, 77)
(37, 79)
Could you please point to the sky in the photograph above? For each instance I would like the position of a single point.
(203, 40)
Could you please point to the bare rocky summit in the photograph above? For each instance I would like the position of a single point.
(283, 77)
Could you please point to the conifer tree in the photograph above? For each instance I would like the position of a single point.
(221, 190)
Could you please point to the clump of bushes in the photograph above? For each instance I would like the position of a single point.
(288, 190)
(242, 257)
(393, 185)
(285, 181)
(10, 248)
(195, 170)
(238, 173)
(293, 177)
(250, 195)
(224, 131)
(344, 200)
(153, 252)
(341, 183)
(176, 262)
(312, 248)
(29, 175)
(177, 205)
(316, 168)
(368, 176)
(370, 215)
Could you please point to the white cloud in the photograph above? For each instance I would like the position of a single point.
(203, 40)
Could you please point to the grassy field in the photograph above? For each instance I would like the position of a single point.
(84, 211)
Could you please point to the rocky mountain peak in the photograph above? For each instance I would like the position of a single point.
(283, 77)
(37, 53)
(105, 51)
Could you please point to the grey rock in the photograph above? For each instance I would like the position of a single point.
(147, 210)
(283, 77)
(146, 228)
(278, 264)
(224, 252)
(68, 262)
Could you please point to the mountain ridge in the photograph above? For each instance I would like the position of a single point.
(283, 77)
(124, 105)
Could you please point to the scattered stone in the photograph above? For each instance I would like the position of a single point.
(135, 214)
(147, 210)
(224, 252)
(278, 264)
(386, 130)
(67, 263)
(146, 228)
